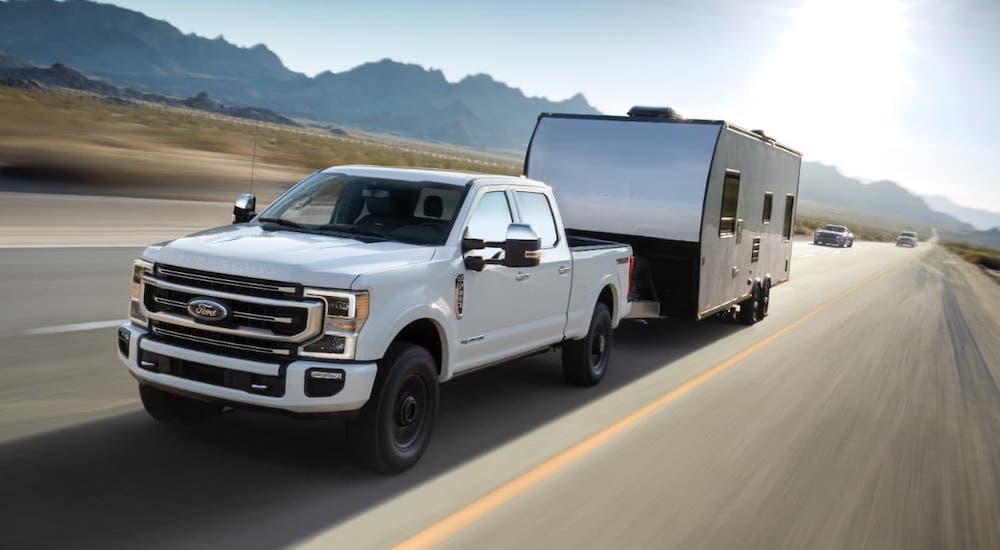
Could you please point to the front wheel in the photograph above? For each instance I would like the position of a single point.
(584, 361)
(176, 410)
(394, 427)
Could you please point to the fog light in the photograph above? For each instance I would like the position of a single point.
(124, 338)
(327, 344)
(323, 382)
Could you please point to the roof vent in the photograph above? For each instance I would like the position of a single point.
(654, 112)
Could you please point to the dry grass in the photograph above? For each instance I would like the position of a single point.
(979, 255)
(807, 225)
(166, 152)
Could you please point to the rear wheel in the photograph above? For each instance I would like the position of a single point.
(394, 427)
(176, 410)
(585, 361)
(750, 308)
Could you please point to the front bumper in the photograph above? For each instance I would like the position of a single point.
(359, 378)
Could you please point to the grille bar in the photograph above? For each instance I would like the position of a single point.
(213, 342)
(238, 314)
(227, 281)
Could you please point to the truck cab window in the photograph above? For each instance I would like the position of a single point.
(491, 217)
(537, 212)
(786, 230)
(730, 203)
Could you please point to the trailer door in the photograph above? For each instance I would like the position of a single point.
(731, 230)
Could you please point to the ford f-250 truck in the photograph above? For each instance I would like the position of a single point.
(360, 290)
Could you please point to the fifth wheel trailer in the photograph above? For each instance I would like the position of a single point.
(707, 206)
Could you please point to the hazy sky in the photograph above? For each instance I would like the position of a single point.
(907, 90)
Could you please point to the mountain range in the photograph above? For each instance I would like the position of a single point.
(825, 184)
(977, 217)
(128, 49)
(135, 57)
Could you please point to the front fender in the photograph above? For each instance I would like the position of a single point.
(439, 313)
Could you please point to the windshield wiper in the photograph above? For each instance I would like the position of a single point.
(362, 231)
(285, 223)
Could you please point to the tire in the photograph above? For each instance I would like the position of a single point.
(394, 427)
(750, 307)
(176, 410)
(765, 300)
(586, 360)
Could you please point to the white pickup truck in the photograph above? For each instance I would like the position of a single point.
(359, 291)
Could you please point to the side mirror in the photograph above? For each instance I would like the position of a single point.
(243, 209)
(522, 248)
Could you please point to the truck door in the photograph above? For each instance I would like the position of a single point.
(549, 282)
(491, 323)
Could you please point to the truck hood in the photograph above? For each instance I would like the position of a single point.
(286, 256)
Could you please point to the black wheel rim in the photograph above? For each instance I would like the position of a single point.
(599, 348)
(409, 413)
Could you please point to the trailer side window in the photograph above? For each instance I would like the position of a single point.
(537, 212)
(768, 203)
(730, 202)
(786, 231)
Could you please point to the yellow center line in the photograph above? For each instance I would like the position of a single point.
(449, 525)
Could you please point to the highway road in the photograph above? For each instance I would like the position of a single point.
(864, 412)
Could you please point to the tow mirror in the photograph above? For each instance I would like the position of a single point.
(243, 209)
(522, 248)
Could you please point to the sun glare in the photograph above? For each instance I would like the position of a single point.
(838, 67)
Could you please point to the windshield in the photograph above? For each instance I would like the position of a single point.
(837, 228)
(909, 234)
(368, 208)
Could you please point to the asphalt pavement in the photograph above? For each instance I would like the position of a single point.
(863, 412)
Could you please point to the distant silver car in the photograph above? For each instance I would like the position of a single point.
(837, 235)
(907, 238)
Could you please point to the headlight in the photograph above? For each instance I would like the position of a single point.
(346, 313)
(139, 268)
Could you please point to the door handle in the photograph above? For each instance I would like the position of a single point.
(522, 276)
(564, 269)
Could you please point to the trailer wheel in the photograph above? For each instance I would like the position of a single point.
(176, 410)
(750, 308)
(584, 361)
(394, 427)
(765, 300)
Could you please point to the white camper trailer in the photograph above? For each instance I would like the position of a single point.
(708, 207)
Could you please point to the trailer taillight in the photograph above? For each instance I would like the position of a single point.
(631, 269)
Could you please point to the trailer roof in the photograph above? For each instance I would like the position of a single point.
(728, 125)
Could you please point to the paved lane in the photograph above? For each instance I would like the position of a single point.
(74, 446)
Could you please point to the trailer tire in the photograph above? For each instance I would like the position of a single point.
(750, 308)
(394, 427)
(765, 300)
(176, 410)
(586, 360)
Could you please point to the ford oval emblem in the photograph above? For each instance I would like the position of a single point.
(208, 310)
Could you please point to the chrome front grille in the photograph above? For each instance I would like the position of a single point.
(226, 283)
(256, 325)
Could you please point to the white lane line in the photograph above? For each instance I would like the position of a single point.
(116, 245)
(75, 327)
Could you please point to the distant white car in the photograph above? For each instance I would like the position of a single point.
(837, 235)
(907, 238)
